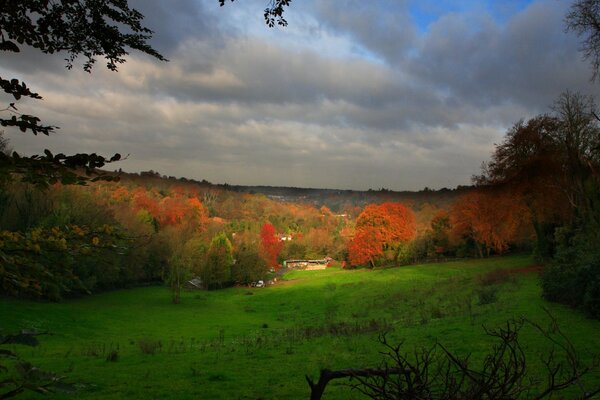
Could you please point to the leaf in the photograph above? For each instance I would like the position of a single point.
(116, 157)
(7, 45)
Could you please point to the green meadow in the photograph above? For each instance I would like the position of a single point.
(259, 343)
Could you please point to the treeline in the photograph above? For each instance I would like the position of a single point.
(540, 192)
(71, 240)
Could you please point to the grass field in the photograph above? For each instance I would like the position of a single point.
(242, 343)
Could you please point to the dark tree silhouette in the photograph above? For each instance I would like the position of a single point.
(273, 13)
(438, 374)
(584, 19)
(88, 28)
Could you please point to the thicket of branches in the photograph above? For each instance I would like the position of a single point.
(436, 373)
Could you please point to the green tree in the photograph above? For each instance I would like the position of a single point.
(249, 265)
(216, 272)
(179, 272)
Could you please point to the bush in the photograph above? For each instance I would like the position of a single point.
(573, 278)
(590, 274)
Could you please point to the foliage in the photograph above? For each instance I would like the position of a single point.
(26, 377)
(249, 266)
(47, 262)
(552, 162)
(365, 247)
(378, 228)
(90, 28)
(549, 161)
(216, 272)
(573, 277)
(493, 219)
(179, 272)
(273, 13)
(270, 245)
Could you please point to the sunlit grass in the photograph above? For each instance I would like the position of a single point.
(259, 343)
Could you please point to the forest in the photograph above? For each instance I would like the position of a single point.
(68, 240)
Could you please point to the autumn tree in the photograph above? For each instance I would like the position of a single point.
(491, 219)
(380, 227)
(394, 220)
(549, 161)
(365, 247)
(270, 245)
(554, 162)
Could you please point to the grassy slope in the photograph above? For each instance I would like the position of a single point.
(249, 344)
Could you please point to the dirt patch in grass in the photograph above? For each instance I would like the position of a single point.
(288, 283)
(527, 270)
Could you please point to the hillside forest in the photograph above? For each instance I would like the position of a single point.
(539, 193)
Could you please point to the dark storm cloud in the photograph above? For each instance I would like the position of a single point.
(528, 61)
(176, 21)
(468, 60)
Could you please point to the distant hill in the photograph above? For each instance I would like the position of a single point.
(335, 199)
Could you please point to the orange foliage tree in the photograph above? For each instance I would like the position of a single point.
(380, 227)
(365, 247)
(493, 219)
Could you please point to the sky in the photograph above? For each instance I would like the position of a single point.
(352, 94)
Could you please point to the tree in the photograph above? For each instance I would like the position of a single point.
(584, 19)
(219, 260)
(549, 161)
(249, 265)
(380, 227)
(436, 373)
(270, 245)
(365, 247)
(554, 163)
(273, 13)
(394, 220)
(90, 28)
(179, 272)
(491, 218)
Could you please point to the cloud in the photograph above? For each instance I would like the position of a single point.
(362, 99)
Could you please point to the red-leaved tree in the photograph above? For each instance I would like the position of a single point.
(270, 245)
